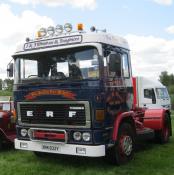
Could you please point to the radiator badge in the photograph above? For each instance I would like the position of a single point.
(64, 93)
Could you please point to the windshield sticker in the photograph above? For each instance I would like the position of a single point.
(64, 93)
(53, 42)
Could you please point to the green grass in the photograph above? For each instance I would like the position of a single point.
(149, 159)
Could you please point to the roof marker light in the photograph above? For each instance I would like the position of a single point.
(80, 27)
(68, 27)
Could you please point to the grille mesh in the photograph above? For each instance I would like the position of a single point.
(60, 112)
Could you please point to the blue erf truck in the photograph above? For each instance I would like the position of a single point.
(73, 95)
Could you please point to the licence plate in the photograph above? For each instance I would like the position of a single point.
(51, 148)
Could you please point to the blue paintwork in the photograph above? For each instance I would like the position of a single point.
(85, 91)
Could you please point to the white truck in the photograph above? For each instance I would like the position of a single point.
(150, 94)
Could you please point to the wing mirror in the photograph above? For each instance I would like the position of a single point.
(10, 70)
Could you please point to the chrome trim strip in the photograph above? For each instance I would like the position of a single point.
(87, 113)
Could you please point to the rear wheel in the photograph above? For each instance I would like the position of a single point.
(162, 136)
(123, 150)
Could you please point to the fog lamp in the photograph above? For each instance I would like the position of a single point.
(80, 150)
(23, 145)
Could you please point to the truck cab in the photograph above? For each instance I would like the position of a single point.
(151, 93)
(73, 95)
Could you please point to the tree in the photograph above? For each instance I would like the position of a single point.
(9, 83)
(166, 79)
(0, 84)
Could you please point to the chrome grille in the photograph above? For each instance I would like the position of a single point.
(64, 113)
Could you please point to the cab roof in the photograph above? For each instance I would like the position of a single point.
(64, 40)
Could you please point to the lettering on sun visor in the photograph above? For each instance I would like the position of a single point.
(53, 42)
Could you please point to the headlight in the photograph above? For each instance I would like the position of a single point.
(50, 30)
(86, 136)
(24, 132)
(77, 136)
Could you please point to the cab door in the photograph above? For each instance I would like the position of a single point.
(118, 84)
(149, 98)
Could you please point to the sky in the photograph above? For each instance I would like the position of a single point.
(148, 26)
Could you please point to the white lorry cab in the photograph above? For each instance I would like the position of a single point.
(150, 94)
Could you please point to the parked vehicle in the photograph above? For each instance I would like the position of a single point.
(151, 94)
(73, 94)
(7, 121)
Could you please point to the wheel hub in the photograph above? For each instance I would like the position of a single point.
(126, 145)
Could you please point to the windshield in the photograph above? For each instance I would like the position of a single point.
(162, 93)
(70, 64)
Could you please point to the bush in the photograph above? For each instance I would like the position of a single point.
(171, 89)
(5, 93)
(172, 100)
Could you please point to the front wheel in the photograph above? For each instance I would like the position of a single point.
(123, 150)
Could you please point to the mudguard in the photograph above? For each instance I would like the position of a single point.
(119, 118)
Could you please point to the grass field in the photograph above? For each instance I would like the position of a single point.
(149, 159)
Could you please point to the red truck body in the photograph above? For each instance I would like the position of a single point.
(7, 122)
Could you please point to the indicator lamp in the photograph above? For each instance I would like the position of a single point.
(80, 27)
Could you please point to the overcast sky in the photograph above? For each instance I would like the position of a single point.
(148, 25)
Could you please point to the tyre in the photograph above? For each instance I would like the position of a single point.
(162, 136)
(123, 149)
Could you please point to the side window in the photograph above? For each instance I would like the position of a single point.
(28, 68)
(125, 66)
(150, 94)
(153, 97)
(114, 64)
(118, 65)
